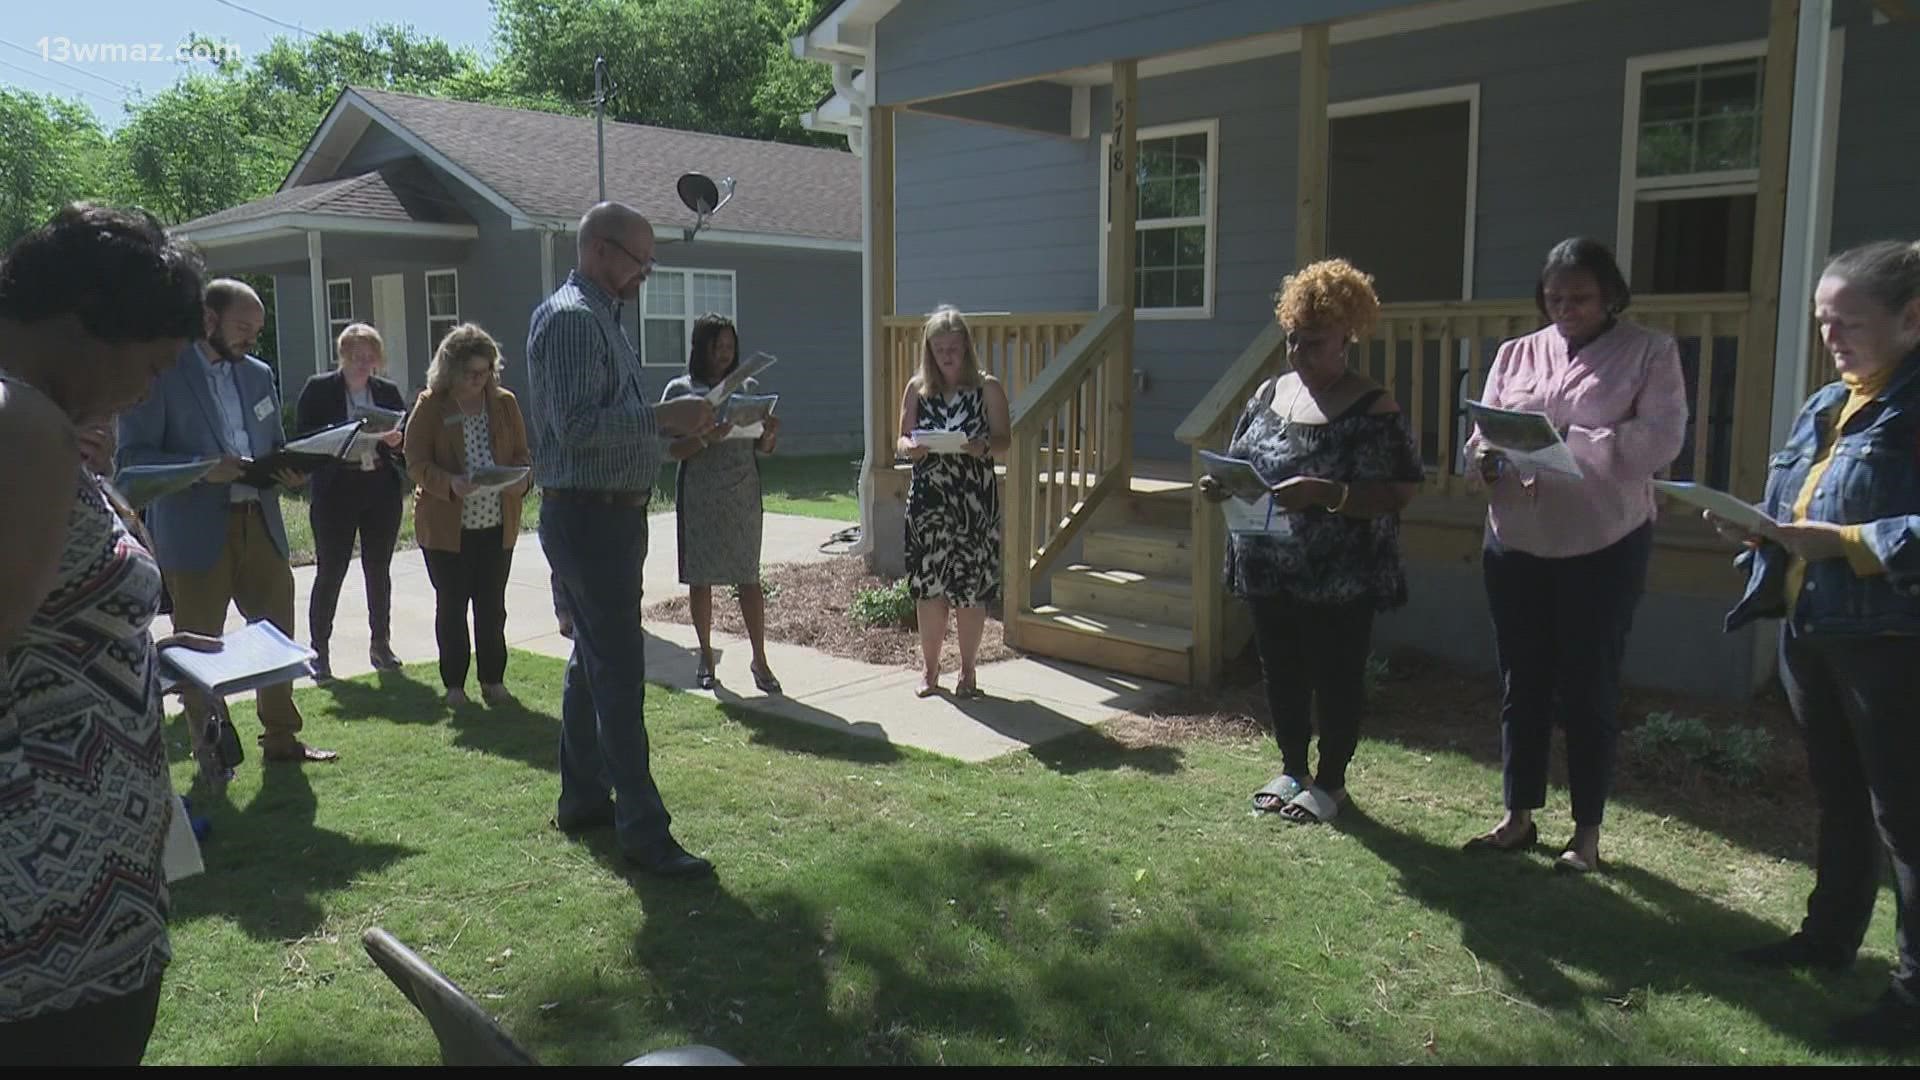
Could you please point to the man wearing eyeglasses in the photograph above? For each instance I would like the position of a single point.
(597, 445)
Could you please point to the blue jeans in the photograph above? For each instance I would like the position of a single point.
(595, 551)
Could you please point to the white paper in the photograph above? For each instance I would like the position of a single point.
(141, 485)
(333, 442)
(377, 421)
(751, 431)
(939, 442)
(496, 478)
(1528, 439)
(1254, 517)
(254, 656)
(180, 857)
(1236, 476)
(1741, 513)
(749, 368)
(744, 409)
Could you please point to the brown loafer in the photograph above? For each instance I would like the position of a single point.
(297, 754)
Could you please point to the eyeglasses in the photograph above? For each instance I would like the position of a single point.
(646, 265)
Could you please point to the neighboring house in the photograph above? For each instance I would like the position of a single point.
(1723, 147)
(416, 213)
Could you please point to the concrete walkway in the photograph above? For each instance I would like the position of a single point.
(1033, 699)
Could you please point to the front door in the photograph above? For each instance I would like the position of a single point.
(390, 318)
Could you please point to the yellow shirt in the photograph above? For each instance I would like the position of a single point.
(1859, 556)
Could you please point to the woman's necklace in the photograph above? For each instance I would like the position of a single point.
(1286, 417)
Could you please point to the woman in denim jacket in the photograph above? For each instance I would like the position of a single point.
(1843, 571)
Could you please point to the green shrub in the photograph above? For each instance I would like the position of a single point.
(886, 605)
(1679, 748)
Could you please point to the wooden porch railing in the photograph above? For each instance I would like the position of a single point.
(1012, 348)
(1067, 453)
(1435, 358)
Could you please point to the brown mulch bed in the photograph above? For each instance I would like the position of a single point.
(808, 604)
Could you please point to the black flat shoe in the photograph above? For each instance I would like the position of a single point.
(322, 668)
(669, 860)
(703, 676)
(1796, 952)
(765, 682)
(380, 655)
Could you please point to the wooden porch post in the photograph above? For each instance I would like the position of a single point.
(1753, 375)
(322, 352)
(884, 403)
(1310, 211)
(1123, 204)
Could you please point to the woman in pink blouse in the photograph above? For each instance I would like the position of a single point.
(1566, 557)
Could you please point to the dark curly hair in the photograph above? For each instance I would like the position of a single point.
(706, 330)
(115, 269)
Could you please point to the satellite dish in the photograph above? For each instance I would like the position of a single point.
(703, 197)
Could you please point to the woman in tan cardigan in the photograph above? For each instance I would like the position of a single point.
(464, 421)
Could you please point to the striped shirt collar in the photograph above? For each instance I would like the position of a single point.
(595, 296)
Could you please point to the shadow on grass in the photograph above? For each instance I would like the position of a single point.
(786, 724)
(266, 861)
(1633, 930)
(408, 696)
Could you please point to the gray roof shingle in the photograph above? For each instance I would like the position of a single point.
(400, 191)
(543, 163)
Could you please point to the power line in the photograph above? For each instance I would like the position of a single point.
(89, 74)
(61, 82)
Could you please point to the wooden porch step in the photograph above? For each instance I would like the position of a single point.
(1159, 550)
(1151, 650)
(1149, 598)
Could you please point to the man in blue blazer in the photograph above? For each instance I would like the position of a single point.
(221, 541)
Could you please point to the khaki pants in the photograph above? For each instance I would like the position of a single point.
(253, 575)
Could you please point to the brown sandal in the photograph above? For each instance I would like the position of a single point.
(1490, 841)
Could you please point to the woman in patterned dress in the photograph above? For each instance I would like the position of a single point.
(717, 504)
(93, 306)
(1342, 465)
(953, 505)
(465, 420)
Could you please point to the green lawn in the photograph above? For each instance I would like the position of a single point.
(821, 486)
(1090, 902)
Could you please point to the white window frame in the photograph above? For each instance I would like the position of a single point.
(334, 325)
(1635, 190)
(687, 317)
(427, 304)
(1211, 218)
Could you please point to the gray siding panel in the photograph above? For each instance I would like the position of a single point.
(1877, 181)
(1038, 106)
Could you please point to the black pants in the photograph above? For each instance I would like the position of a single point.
(1560, 627)
(1315, 653)
(113, 1032)
(363, 504)
(476, 577)
(1854, 700)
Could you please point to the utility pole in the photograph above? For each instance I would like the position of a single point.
(601, 93)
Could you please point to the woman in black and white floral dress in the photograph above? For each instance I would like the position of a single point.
(953, 506)
(1342, 465)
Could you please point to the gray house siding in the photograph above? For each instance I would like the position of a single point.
(802, 306)
(932, 48)
(992, 219)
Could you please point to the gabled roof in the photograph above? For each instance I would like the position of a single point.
(538, 167)
(402, 191)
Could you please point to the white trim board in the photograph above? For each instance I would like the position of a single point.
(674, 234)
(1420, 99)
(1632, 191)
(1211, 218)
(295, 224)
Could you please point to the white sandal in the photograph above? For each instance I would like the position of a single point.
(1314, 806)
(1282, 789)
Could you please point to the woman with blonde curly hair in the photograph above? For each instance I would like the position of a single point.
(1342, 465)
(1565, 556)
(465, 420)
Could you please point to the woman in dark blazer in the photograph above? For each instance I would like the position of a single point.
(363, 496)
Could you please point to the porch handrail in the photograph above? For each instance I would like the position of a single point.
(1012, 347)
(1065, 456)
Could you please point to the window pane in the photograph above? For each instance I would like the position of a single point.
(1191, 246)
(713, 292)
(1188, 197)
(663, 341)
(1190, 288)
(1731, 87)
(1156, 200)
(1155, 248)
(1668, 95)
(1729, 143)
(1157, 289)
(1156, 159)
(1192, 155)
(666, 294)
(437, 329)
(443, 296)
(1666, 149)
(340, 300)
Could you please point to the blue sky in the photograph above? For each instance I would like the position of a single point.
(100, 39)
